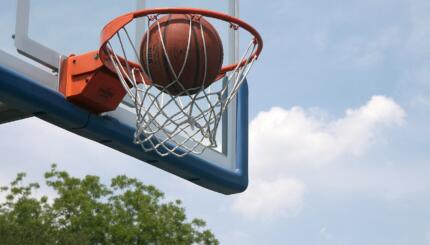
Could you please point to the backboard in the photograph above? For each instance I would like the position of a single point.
(40, 34)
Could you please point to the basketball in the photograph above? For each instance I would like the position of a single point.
(191, 58)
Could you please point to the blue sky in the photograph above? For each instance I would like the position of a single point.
(339, 112)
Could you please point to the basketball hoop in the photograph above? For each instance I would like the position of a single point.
(186, 121)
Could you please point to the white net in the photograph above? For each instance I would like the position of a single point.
(181, 123)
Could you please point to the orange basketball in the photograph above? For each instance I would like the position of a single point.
(192, 72)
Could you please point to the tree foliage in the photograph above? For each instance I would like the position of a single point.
(86, 211)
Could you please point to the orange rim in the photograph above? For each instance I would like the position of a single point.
(118, 23)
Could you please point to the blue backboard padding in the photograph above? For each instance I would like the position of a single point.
(31, 97)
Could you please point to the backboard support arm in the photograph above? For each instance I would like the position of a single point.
(29, 47)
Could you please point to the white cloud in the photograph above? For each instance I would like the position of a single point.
(369, 51)
(357, 130)
(270, 199)
(281, 139)
(420, 100)
(372, 179)
(287, 142)
(236, 237)
(325, 234)
(419, 35)
(427, 237)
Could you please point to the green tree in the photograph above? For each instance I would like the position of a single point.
(86, 211)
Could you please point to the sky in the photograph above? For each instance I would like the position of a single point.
(339, 136)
